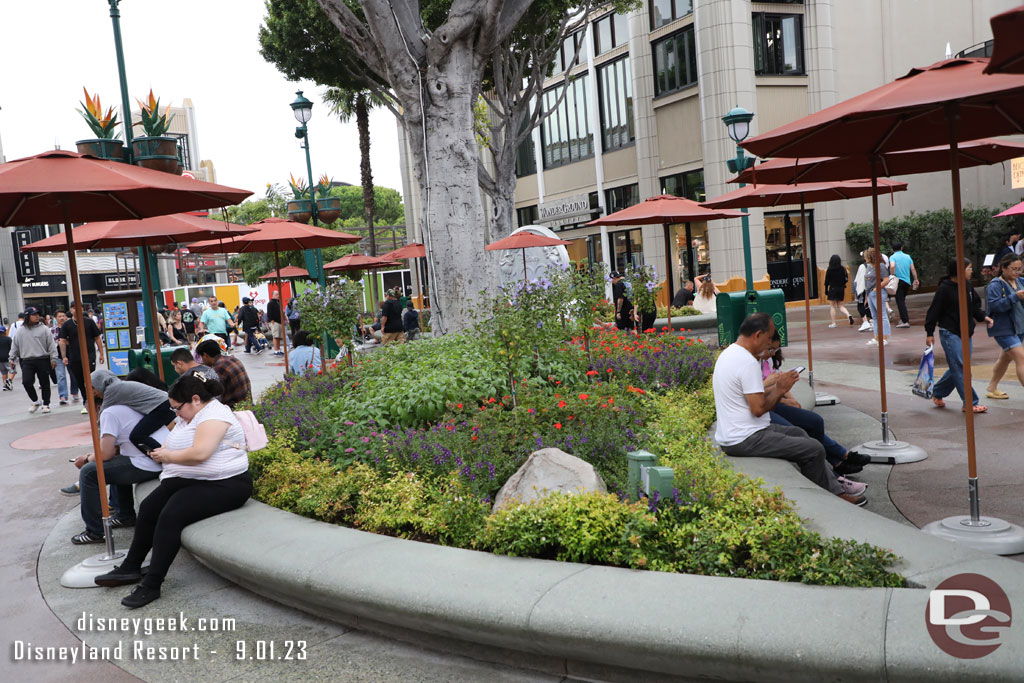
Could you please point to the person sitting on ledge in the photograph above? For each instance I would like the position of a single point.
(205, 473)
(789, 412)
(743, 403)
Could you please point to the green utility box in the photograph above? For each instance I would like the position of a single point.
(146, 358)
(733, 307)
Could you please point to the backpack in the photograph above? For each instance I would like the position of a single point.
(255, 432)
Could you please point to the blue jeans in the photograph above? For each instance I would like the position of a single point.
(954, 377)
(813, 424)
(118, 471)
(874, 313)
(63, 377)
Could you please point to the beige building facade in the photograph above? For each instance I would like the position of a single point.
(642, 117)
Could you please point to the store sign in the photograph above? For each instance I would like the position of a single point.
(26, 263)
(120, 280)
(1017, 173)
(45, 283)
(566, 211)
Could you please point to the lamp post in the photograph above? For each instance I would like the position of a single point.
(737, 122)
(303, 111)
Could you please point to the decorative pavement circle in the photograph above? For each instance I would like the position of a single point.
(60, 437)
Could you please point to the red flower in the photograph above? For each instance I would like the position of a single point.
(558, 425)
(584, 397)
(561, 404)
(473, 438)
(483, 407)
(490, 400)
(591, 373)
(460, 406)
(635, 390)
(571, 417)
(609, 371)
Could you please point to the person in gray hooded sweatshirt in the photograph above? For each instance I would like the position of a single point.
(150, 401)
(34, 347)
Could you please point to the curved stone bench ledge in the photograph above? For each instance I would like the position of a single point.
(607, 623)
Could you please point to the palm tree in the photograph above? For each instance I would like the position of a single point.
(345, 104)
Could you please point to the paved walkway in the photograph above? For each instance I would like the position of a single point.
(937, 487)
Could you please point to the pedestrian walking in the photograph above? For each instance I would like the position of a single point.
(873, 258)
(72, 357)
(248, 320)
(944, 312)
(275, 321)
(623, 306)
(903, 269)
(1005, 296)
(64, 377)
(860, 297)
(33, 348)
(215, 320)
(836, 278)
(6, 373)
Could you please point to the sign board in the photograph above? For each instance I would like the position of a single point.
(1017, 173)
(566, 211)
(26, 263)
(120, 281)
(118, 363)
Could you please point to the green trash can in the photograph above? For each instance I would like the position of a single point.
(146, 358)
(733, 307)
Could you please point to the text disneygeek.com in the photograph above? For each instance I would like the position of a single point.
(142, 650)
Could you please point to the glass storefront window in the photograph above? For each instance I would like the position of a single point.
(627, 249)
(693, 256)
(784, 252)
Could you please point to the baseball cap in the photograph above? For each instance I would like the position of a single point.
(246, 300)
(31, 310)
(615, 274)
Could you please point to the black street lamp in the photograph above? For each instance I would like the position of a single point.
(302, 109)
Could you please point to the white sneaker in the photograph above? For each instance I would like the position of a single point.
(864, 327)
(75, 399)
(85, 410)
(33, 408)
(46, 409)
(872, 342)
(832, 326)
(885, 342)
(854, 487)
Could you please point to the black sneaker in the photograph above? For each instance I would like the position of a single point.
(122, 522)
(852, 464)
(119, 577)
(85, 538)
(72, 490)
(140, 597)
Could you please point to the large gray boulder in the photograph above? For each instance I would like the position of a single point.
(546, 471)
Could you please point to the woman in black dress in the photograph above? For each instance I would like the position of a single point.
(836, 278)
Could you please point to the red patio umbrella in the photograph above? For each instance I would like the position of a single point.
(776, 195)
(944, 103)
(276, 235)
(524, 240)
(905, 162)
(1015, 210)
(666, 209)
(1007, 46)
(288, 272)
(64, 187)
(145, 233)
(360, 262)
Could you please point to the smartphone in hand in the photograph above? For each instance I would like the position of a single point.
(799, 369)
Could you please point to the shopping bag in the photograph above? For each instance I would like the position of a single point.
(925, 375)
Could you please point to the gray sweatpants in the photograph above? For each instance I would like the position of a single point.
(792, 444)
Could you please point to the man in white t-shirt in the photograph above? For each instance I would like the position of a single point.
(744, 426)
(123, 466)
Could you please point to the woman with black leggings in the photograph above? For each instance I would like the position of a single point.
(205, 472)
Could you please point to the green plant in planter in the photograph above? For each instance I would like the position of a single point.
(323, 187)
(102, 123)
(154, 124)
(298, 187)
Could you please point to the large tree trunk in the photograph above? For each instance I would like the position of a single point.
(365, 174)
(503, 218)
(446, 168)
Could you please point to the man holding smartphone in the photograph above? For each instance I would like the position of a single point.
(123, 466)
(743, 404)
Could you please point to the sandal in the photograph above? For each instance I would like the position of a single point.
(939, 403)
(997, 394)
(977, 409)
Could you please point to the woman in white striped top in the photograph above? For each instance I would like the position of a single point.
(205, 472)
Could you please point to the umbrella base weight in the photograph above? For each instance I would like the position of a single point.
(891, 452)
(83, 573)
(823, 399)
(989, 534)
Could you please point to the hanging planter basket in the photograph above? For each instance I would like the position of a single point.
(300, 210)
(102, 148)
(157, 153)
(328, 209)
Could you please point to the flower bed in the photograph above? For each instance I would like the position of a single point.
(415, 441)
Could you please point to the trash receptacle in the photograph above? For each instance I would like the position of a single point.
(733, 307)
(146, 358)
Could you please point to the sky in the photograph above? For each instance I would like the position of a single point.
(207, 51)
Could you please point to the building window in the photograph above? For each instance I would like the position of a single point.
(675, 62)
(616, 100)
(619, 198)
(526, 216)
(778, 44)
(526, 160)
(610, 31)
(565, 56)
(627, 249)
(565, 134)
(667, 11)
(689, 184)
(784, 243)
